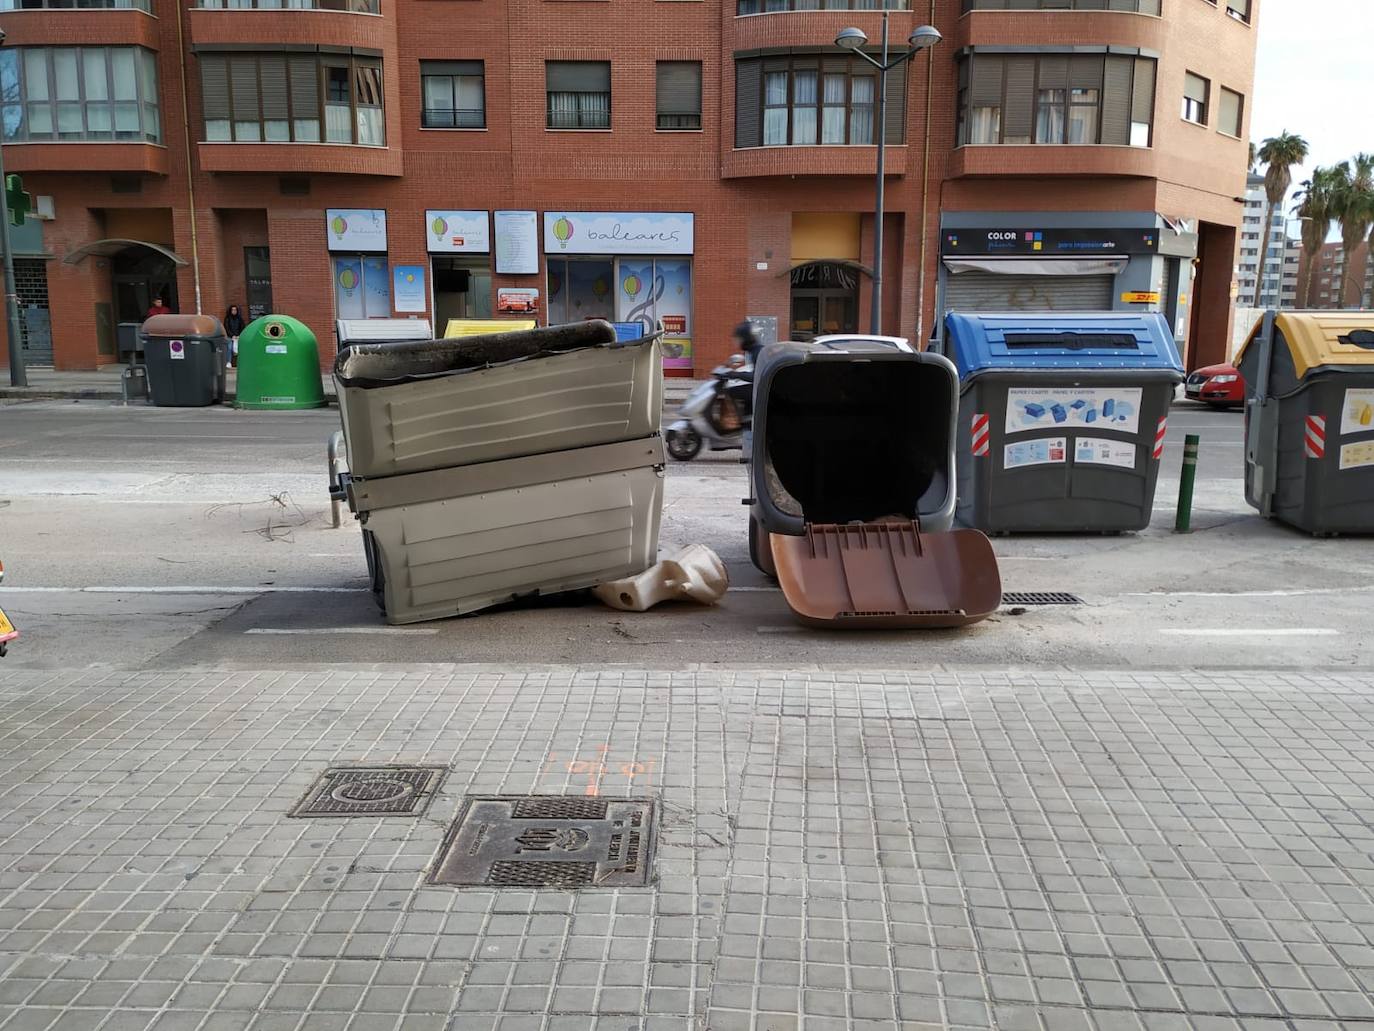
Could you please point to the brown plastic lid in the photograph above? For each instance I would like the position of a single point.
(887, 575)
(183, 326)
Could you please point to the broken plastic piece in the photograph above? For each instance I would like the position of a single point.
(695, 573)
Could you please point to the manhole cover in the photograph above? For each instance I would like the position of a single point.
(549, 841)
(371, 791)
(1040, 598)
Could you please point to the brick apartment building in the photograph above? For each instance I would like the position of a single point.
(695, 160)
(1326, 278)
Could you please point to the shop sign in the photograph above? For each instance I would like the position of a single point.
(524, 301)
(408, 288)
(356, 229)
(1062, 242)
(618, 232)
(1140, 297)
(517, 242)
(451, 232)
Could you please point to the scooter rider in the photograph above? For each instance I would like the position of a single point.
(742, 393)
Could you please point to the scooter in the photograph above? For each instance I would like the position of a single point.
(7, 631)
(715, 414)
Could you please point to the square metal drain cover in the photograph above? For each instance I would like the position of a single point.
(1040, 598)
(371, 791)
(549, 841)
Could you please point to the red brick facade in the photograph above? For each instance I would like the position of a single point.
(743, 200)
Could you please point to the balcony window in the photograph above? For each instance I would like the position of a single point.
(1239, 10)
(679, 95)
(579, 94)
(1129, 6)
(101, 94)
(1052, 99)
(810, 100)
(774, 6)
(454, 95)
(349, 6)
(75, 5)
(1195, 91)
(292, 98)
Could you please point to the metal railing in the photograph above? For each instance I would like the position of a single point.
(453, 118)
(347, 6)
(76, 5)
(772, 6)
(1125, 6)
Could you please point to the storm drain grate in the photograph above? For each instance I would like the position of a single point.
(549, 841)
(371, 791)
(1040, 598)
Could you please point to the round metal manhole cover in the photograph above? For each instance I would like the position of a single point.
(372, 791)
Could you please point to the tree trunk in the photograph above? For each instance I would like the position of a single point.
(1305, 278)
(1264, 258)
(1350, 246)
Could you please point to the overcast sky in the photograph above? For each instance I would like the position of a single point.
(1314, 76)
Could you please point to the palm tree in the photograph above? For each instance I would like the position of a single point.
(1315, 212)
(1353, 206)
(1279, 154)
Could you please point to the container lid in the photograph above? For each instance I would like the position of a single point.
(1319, 338)
(1060, 340)
(183, 326)
(887, 575)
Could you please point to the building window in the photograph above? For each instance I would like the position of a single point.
(292, 98)
(454, 95)
(773, 6)
(679, 95)
(1075, 99)
(1195, 90)
(1230, 113)
(579, 94)
(362, 286)
(814, 100)
(350, 6)
(79, 93)
(68, 5)
(1129, 6)
(1239, 10)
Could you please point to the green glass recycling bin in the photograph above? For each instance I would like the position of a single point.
(279, 365)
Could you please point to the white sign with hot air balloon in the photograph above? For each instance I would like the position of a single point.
(618, 232)
(451, 232)
(356, 229)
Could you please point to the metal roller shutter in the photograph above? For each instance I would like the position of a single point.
(977, 291)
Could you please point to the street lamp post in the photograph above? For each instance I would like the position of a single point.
(922, 38)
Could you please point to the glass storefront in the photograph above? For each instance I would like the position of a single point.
(643, 290)
(362, 286)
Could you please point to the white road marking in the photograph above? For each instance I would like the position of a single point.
(343, 630)
(1301, 593)
(182, 590)
(738, 590)
(1289, 631)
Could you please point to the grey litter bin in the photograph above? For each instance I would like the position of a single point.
(1061, 418)
(185, 356)
(1309, 419)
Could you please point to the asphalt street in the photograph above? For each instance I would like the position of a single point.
(201, 537)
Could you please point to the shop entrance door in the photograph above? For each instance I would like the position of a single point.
(141, 274)
(825, 299)
(462, 290)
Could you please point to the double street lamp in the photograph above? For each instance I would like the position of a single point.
(923, 37)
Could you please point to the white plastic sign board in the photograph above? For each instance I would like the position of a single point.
(618, 232)
(1358, 414)
(1042, 408)
(1101, 451)
(457, 232)
(356, 229)
(517, 242)
(1046, 451)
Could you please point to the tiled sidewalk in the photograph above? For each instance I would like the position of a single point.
(848, 851)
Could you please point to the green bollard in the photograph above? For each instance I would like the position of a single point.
(1183, 522)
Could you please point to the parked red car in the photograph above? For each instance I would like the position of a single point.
(1220, 386)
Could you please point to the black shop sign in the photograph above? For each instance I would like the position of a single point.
(1054, 242)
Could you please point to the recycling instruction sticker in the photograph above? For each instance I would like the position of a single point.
(1100, 451)
(1040, 408)
(1357, 456)
(1048, 451)
(1357, 416)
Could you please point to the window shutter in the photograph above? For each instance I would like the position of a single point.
(1116, 100)
(986, 87)
(214, 86)
(305, 87)
(451, 68)
(1143, 91)
(679, 87)
(1228, 120)
(896, 104)
(1018, 117)
(1195, 88)
(274, 90)
(1054, 72)
(748, 102)
(1085, 71)
(578, 76)
(243, 78)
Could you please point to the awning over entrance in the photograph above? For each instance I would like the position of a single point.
(111, 248)
(1038, 266)
(842, 263)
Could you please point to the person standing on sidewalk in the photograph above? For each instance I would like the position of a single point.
(157, 308)
(233, 327)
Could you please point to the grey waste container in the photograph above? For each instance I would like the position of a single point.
(1309, 419)
(1061, 418)
(186, 356)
